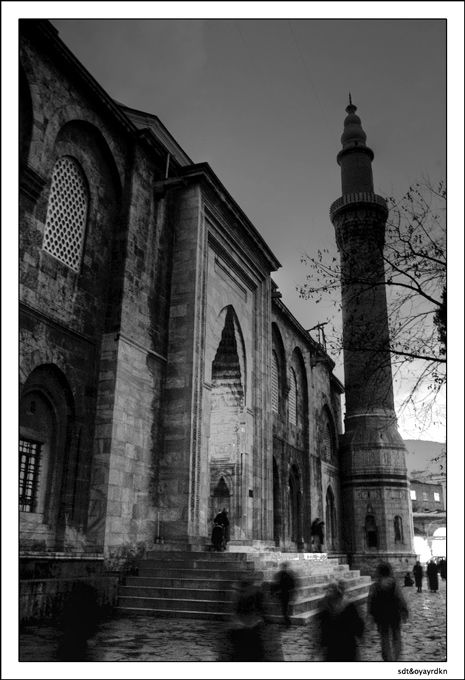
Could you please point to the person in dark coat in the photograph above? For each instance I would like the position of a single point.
(217, 537)
(408, 581)
(340, 625)
(388, 608)
(442, 568)
(432, 574)
(418, 576)
(283, 587)
(222, 520)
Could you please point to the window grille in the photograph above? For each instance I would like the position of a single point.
(425, 495)
(293, 398)
(66, 213)
(29, 459)
(274, 383)
(436, 497)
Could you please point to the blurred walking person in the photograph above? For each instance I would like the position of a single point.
(283, 587)
(418, 576)
(247, 630)
(79, 622)
(432, 574)
(341, 626)
(388, 608)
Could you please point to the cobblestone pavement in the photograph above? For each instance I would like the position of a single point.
(146, 638)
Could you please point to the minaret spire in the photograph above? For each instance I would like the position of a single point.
(374, 475)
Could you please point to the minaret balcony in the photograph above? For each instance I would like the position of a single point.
(358, 199)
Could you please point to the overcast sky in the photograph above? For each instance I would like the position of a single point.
(263, 101)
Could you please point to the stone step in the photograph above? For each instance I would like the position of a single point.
(228, 574)
(166, 582)
(174, 613)
(196, 564)
(186, 603)
(177, 593)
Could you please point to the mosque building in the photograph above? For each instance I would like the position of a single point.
(162, 377)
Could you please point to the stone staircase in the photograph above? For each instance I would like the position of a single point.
(201, 585)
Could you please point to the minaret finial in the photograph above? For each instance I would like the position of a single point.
(350, 99)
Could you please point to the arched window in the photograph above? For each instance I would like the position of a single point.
(398, 530)
(274, 382)
(65, 223)
(371, 531)
(292, 397)
(327, 436)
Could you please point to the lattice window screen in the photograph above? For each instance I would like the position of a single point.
(327, 444)
(293, 398)
(274, 383)
(66, 213)
(29, 459)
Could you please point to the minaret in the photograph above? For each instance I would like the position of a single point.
(375, 487)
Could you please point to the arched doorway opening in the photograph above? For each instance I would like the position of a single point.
(221, 498)
(438, 543)
(331, 524)
(227, 428)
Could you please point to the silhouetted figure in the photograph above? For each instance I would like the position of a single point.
(246, 633)
(340, 625)
(432, 574)
(418, 576)
(223, 520)
(79, 622)
(388, 608)
(443, 568)
(408, 580)
(317, 534)
(218, 537)
(283, 587)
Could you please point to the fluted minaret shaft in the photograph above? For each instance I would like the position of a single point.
(359, 217)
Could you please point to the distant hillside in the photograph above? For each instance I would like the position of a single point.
(420, 455)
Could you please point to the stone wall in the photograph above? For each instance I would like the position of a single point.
(46, 583)
(301, 445)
